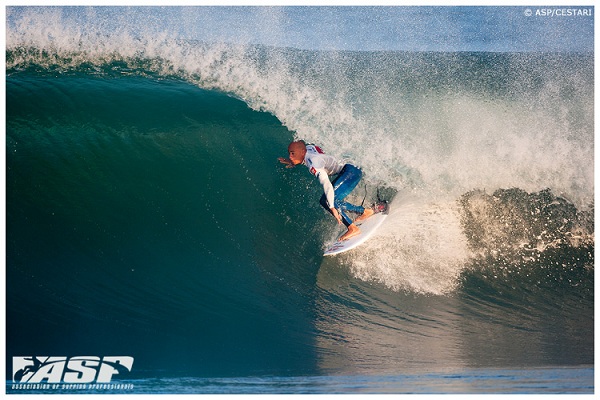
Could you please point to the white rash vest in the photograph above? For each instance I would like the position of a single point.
(322, 165)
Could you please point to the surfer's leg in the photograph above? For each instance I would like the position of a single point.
(353, 230)
(345, 219)
(346, 181)
(343, 186)
(343, 207)
(365, 214)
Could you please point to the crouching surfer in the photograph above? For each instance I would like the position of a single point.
(346, 178)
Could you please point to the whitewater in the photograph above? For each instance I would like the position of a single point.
(142, 163)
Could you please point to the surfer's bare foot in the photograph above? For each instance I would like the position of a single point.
(353, 230)
(366, 214)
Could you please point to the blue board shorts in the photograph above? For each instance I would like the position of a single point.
(343, 184)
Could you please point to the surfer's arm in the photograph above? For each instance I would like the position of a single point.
(288, 163)
(336, 215)
(321, 174)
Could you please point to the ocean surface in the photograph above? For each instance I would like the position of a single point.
(147, 216)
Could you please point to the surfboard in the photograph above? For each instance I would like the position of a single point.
(367, 229)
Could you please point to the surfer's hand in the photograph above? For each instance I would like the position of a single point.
(337, 215)
(288, 163)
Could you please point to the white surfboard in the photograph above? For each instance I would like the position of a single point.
(367, 229)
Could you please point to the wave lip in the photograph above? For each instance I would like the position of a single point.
(447, 122)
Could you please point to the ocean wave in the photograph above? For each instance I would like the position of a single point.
(142, 179)
(443, 122)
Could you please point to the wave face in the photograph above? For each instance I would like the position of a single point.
(147, 213)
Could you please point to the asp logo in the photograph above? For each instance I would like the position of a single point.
(79, 369)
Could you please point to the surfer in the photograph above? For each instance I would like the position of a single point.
(322, 166)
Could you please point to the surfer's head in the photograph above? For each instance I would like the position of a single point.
(297, 151)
